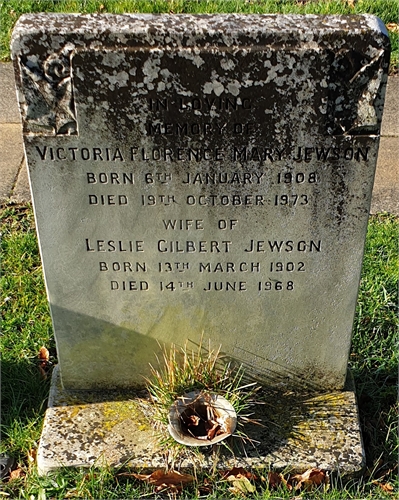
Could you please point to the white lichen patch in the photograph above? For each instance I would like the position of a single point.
(213, 87)
(121, 78)
(234, 87)
(227, 64)
(151, 68)
(113, 59)
(193, 56)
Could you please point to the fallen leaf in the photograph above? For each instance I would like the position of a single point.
(172, 480)
(241, 485)
(387, 487)
(393, 27)
(235, 471)
(212, 427)
(240, 478)
(193, 421)
(16, 474)
(205, 488)
(309, 479)
(275, 480)
(44, 357)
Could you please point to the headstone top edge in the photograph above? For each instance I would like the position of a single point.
(269, 20)
(91, 26)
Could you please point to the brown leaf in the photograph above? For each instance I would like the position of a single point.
(193, 421)
(205, 488)
(236, 471)
(44, 355)
(241, 481)
(275, 480)
(16, 474)
(310, 479)
(387, 487)
(212, 427)
(171, 480)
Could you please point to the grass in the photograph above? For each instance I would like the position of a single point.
(387, 10)
(27, 326)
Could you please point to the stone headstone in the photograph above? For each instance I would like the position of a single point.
(201, 176)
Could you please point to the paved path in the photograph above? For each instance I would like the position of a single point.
(14, 184)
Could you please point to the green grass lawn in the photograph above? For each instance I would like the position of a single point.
(27, 326)
(387, 10)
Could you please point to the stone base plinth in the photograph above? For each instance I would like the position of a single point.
(298, 432)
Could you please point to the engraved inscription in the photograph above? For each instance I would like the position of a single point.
(259, 153)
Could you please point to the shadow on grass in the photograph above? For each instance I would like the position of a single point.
(24, 394)
(378, 409)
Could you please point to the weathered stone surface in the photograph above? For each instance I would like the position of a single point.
(390, 122)
(201, 175)
(299, 432)
(11, 157)
(386, 184)
(21, 191)
(9, 112)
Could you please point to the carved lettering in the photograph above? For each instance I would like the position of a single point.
(78, 154)
(226, 200)
(259, 153)
(229, 267)
(188, 246)
(114, 245)
(232, 286)
(233, 178)
(109, 199)
(130, 286)
(184, 224)
(110, 178)
(176, 154)
(124, 267)
(261, 246)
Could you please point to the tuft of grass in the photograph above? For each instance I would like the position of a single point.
(204, 369)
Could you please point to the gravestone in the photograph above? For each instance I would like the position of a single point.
(201, 176)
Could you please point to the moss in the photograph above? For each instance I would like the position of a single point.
(116, 412)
